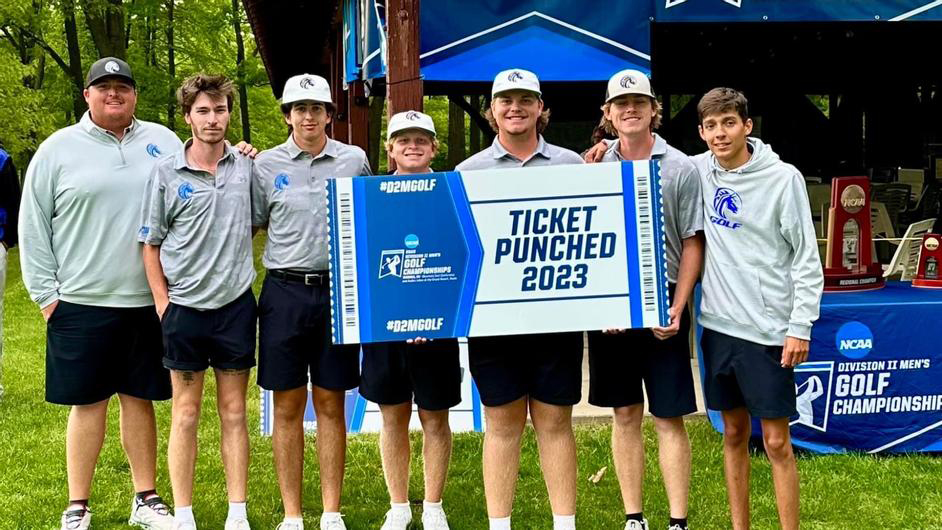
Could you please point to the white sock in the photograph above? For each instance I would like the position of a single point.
(329, 516)
(499, 523)
(183, 514)
(401, 507)
(430, 506)
(564, 522)
(237, 511)
(295, 520)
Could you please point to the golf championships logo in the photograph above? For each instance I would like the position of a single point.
(726, 202)
(185, 191)
(308, 82)
(854, 340)
(628, 81)
(411, 241)
(282, 181)
(515, 76)
(153, 150)
(112, 67)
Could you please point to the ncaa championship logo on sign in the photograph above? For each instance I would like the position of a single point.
(411, 241)
(854, 340)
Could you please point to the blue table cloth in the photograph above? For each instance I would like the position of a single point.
(873, 379)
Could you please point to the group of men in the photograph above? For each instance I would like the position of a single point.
(137, 248)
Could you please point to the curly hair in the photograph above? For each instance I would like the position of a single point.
(215, 86)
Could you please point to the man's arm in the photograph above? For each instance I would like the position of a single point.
(807, 276)
(37, 259)
(156, 278)
(691, 264)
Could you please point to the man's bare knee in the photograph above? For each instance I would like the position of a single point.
(328, 405)
(551, 420)
(289, 406)
(628, 417)
(778, 446)
(506, 421)
(232, 413)
(435, 423)
(186, 416)
(670, 426)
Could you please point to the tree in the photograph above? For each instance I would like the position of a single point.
(105, 21)
(240, 69)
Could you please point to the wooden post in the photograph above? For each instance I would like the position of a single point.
(403, 81)
(340, 123)
(358, 115)
(456, 152)
(475, 130)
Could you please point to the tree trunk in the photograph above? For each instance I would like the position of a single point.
(171, 71)
(475, 130)
(105, 21)
(240, 72)
(75, 60)
(375, 130)
(455, 134)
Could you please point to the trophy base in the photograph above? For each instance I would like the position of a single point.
(927, 284)
(842, 281)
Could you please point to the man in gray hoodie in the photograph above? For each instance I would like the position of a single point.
(762, 286)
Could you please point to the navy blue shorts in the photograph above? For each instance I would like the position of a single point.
(741, 373)
(93, 353)
(394, 372)
(619, 363)
(223, 338)
(546, 367)
(294, 339)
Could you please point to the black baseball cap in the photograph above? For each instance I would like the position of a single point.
(108, 67)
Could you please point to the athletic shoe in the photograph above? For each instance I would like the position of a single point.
(237, 524)
(397, 520)
(184, 526)
(636, 525)
(284, 525)
(333, 523)
(677, 527)
(78, 519)
(434, 520)
(153, 514)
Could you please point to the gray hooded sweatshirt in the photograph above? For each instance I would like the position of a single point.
(762, 278)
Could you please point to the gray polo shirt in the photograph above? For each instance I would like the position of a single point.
(680, 190)
(289, 196)
(496, 157)
(202, 223)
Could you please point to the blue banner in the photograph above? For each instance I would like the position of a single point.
(497, 252)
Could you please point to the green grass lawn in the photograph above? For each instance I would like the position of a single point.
(839, 492)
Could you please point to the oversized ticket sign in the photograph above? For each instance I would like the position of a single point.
(497, 252)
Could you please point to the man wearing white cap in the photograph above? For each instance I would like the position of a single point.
(428, 372)
(620, 360)
(289, 201)
(540, 374)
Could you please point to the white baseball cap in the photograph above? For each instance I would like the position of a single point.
(410, 119)
(628, 82)
(306, 87)
(516, 79)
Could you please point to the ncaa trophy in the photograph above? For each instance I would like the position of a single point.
(930, 257)
(849, 264)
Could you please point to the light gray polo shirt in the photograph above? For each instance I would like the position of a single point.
(680, 190)
(202, 223)
(289, 196)
(496, 157)
(80, 211)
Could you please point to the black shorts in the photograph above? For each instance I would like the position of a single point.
(223, 338)
(294, 338)
(94, 352)
(546, 367)
(740, 373)
(394, 372)
(618, 363)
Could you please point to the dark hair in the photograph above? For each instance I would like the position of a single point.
(215, 86)
(720, 100)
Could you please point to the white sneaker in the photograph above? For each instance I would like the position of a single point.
(434, 520)
(285, 525)
(79, 519)
(333, 523)
(183, 526)
(397, 520)
(635, 525)
(153, 514)
(237, 524)
(676, 527)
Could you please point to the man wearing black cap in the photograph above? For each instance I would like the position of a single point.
(82, 265)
